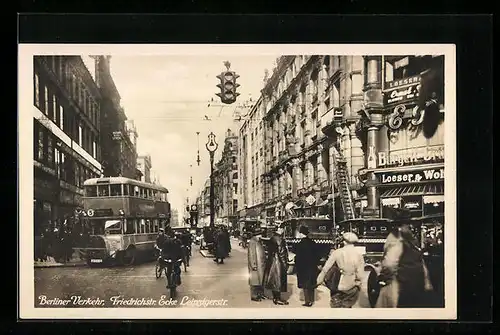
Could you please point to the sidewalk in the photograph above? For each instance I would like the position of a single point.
(74, 262)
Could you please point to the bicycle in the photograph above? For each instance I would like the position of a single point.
(159, 267)
(173, 275)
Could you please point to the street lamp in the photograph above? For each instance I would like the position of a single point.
(211, 148)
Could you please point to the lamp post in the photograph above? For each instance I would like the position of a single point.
(211, 148)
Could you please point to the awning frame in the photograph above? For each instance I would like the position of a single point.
(413, 190)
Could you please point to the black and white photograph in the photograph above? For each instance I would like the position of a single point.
(237, 181)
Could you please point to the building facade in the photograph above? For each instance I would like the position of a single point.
(174, 221)
(226, 181)
(66, 125)
(251, 162)
(301, 97)
(144, 165)
(335, 128)
(118, 135)
(403, 123)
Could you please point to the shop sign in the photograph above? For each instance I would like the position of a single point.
(411, 156)
(415, 204)
(412, 177)
(401, 95)
(403, 82)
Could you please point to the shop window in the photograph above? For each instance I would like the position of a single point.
(46, 101)
(37, 91)
(41, 144)
(91, 191)
(116, 190)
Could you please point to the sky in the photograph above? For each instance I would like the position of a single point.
(168, 98)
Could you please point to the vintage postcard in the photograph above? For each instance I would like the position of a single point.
(237, 181)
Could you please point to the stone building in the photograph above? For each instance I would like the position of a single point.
(144, 165)
(251, 162)
(66, 148)
(226, 181)
(118, 135)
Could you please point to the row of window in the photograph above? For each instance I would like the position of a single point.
(46, 100)
(67, 168)
(119, 190)
(127, 226)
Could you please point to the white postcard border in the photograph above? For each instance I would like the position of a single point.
(25, 172)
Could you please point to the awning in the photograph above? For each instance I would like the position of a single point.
(413, 190)
(433, 199)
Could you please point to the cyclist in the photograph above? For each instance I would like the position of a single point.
(171, 252)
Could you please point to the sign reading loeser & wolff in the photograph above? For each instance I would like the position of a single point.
(412, 177)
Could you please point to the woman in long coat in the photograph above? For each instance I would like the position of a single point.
(275, 274)
(256, 265)
(403, 275)
(306, 263)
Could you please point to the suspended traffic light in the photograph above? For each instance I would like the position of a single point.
(228, 87)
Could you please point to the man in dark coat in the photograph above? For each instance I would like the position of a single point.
(222, 245)
(306, 262)
(275, 273)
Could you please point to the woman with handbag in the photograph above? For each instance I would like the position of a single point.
(275, 274)
(342, 273)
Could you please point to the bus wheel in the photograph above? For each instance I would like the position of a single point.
(128, 257)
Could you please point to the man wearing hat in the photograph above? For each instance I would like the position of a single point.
(256, 264)
(306, 262)
(351, 265)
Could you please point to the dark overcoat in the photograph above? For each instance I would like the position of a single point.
(222, 244)
(275, 274)
(306, 263)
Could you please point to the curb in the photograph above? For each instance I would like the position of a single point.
(60, 265)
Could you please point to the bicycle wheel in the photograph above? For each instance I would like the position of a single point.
(158, 271)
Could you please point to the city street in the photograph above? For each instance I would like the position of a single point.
(203, 280)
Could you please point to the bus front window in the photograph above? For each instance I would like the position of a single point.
(103, 190)
(113, 226)
(116, 190)
(91, 191)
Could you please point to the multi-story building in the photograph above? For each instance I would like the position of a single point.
(226, 181)
(144, 165)
(403, 130)
(251, 162)
(118, 135)
(204, 205)
(66, 148)
(174, 221)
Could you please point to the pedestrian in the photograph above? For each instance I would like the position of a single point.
(256, 265)
(350, 264)
(306, 263)
(275, 273)
(403, 276)
(221, 246)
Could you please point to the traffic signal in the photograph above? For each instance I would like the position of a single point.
(194, 215)
(228, 87)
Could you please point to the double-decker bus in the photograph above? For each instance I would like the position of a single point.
(122, 217)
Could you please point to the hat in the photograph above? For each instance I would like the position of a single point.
(350, 237)
(304, 230)
(161, 230)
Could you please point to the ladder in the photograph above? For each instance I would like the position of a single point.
(343, 185)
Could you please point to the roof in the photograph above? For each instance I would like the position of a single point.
(123, 180)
